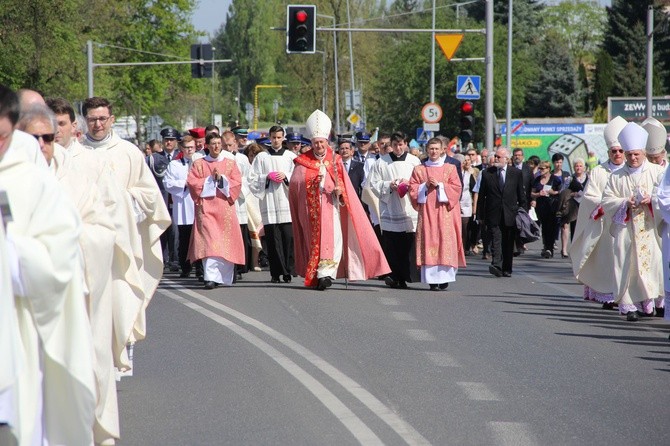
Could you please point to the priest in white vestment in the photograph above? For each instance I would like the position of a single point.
(145, 217)
(55, 390)
(591, 248)
(630, 202)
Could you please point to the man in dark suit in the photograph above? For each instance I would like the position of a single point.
(354, 168)
(518, 162)
(501, 193)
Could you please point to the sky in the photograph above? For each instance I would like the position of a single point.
(209, 15)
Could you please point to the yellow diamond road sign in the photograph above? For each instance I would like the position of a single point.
(449, 43)
(353, 118)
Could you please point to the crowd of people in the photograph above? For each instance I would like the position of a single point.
(91, 222)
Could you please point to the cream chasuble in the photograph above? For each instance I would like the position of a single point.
(638, 272)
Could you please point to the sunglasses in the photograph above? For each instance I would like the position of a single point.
(616, 151)
(46, 137)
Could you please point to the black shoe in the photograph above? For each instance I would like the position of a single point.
(209, 285)
(324, 282)
(402, 284)
(275, 280)
(174, 268)
(287, 278)
(201, 279)
(506, 274)
(184, 274)
(495, 271)
(546, 253)
(632, 316)
(516, 253)
(390, 281)
(660, 312)
(643, 314)
(443, 286)
(609, 306)
(434, 287)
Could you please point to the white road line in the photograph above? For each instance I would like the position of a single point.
(511, 434)
(442, 359)
(477, 391)
(355, 425)
(402, 316)
(420, 335)
(410, 435)
(389, 301)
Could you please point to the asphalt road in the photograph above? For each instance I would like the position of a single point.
(490, 361)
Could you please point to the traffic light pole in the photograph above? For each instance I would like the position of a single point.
(91, 65)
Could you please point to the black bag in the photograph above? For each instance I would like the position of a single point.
(529, 231)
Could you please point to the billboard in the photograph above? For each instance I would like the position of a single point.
(635, 109)
(571, 140)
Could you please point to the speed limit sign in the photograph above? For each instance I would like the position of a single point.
(431, 113)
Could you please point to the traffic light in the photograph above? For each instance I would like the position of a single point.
(301, 29)
(202, 51)
(467, 122)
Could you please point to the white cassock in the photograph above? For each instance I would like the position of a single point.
(272, 197)
(56, 386)
(591, 248)
(175, 184)
(96, 243)
(143, 218)
(663, 225)
(241, 203)
(638, 273)
(367, 195)
(396, 214)
(10, 342)
(26, 147)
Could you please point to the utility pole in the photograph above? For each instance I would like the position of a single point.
(508, 115)
(432, 59)
(650, 60)
(490, 125)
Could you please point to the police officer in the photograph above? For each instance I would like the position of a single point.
(363, 146)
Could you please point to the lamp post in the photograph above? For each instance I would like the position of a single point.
(337, 76)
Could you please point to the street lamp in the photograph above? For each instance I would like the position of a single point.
(337, 76)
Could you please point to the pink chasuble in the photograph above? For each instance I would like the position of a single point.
(313, 219)
(438, 231)
(216, 230)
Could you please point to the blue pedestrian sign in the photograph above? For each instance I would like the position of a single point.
(468, 86)
(422, 136)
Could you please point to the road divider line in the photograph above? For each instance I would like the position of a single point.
(355, 425)
(477, 391)
(511, 434)
(402, 316)
(410, 435)
(442, 359)
(420, 335)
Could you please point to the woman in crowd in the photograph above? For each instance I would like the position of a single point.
(544, 193)
(569, 203)
(469, 224)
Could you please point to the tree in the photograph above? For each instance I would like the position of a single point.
(603, 82)
(553, 92)
(580, 23)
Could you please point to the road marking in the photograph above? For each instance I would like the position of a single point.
(511, 434)
(420, 335)
(402, 316)
(477, 391)
(389, 301)
(442, 359)
(354, 424)
(410, 435)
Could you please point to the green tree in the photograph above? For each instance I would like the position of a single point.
(580, 23)
(553, 92)
(603, 81)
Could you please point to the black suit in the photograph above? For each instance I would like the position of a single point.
(356, 175)
(498, 209)
(527, 181)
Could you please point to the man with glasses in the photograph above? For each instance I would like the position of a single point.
(46, 299)
(354, 168)
(591, 248)
(500, 196)
(137, 272)
(628, 203)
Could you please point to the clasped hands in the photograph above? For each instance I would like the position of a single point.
(636, 202)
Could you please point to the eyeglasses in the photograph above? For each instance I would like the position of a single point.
(616, 150)
(46, 137)
(103, 120)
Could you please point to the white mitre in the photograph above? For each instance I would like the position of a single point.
(612, 130)
(657, 136)
(318, 125)
(633, 137)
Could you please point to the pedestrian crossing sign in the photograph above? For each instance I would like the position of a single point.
(468, 86)
(423, 135)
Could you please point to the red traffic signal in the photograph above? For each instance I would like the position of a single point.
(467, 108)
(301, 29)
